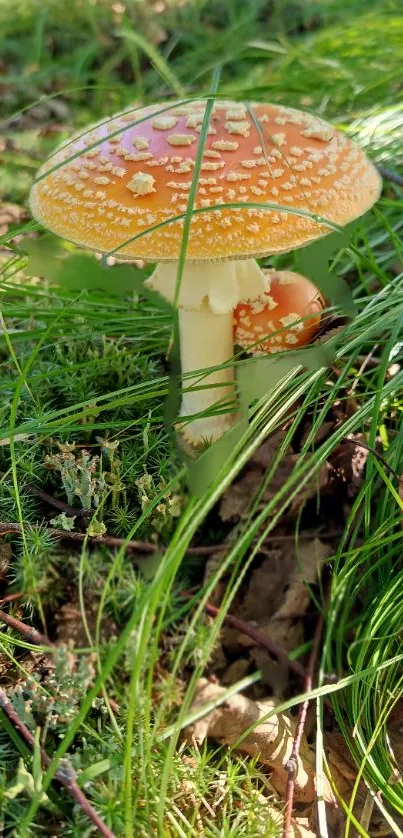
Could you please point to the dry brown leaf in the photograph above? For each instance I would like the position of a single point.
(270, 741)
(323, 431)
(317, 484)
(10, 214)
(51, 130)
(275, 591)
(275, 673)
(274, 599)
(341, 763)
(278, 594)
(343, 473)
(213, 563)
(236, 500)
(38, 663)
(348, 462)
(70, 627)
(394, 726)
(299, 827)
(39, 114)
(237, 497)
(235, 671)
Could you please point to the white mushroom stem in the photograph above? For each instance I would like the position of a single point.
(208, 294)
(206, 341)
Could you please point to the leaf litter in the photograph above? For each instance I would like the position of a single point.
(10, 214)
(279, 597)
(270, 740)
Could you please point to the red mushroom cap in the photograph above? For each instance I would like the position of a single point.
(126, 176)
(285, 317)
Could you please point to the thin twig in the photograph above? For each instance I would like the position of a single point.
(56, 503)
(112, 540)
(256, 635)
(9, 528)
(13, 597)
(292, 762)
(65, 774)
(29, 634)
(206, 550)
(370, 360)
(304, 536)
(394, 177)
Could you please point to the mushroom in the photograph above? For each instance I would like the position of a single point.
(111, 188)
(286, 317)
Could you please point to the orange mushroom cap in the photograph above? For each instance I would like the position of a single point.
(126, 175)
(290, 312)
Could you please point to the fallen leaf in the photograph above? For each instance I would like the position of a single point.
(234, 502)
(212, 565)
(341, 763)
(237, 670)
(271, 740)
(276, 590)
(348, 461)
(59, 108)
(70, 628)
(37, 663)
(275, 673)
(300, 828)
(10, 214)
(311, 556)
(394, 727)
(237, 498)
(323, 431)
(51, 130)
(329, 330)
(40, 114)
(278, 596)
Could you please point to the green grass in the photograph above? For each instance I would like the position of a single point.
(86, 367)
(337, 70)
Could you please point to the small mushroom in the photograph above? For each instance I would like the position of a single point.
(123, 186)
(285, 317)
